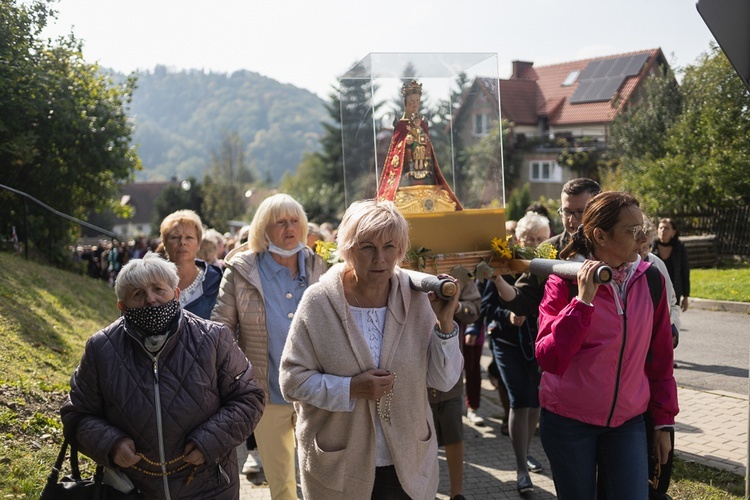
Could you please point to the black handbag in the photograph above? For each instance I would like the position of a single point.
(72, 487)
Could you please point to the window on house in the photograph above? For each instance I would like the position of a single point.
(572, 77)
(481, 124)
(545, 171)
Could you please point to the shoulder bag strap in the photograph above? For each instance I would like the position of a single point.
(76, 472)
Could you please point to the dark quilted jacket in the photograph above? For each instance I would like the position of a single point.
(200, 387)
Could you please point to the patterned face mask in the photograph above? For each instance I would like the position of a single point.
(153, 320)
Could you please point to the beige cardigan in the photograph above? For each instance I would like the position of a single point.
(336, 450)
(240, 305)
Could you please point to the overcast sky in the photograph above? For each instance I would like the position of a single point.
(309, 44)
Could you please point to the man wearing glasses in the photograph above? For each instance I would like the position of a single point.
(573, 199)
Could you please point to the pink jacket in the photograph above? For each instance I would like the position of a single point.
(605, 364)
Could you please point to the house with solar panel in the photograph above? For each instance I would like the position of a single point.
(558, 112)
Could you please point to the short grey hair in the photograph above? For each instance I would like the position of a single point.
(272, 209)
(364, 220)
(141, 273)
(530, 222)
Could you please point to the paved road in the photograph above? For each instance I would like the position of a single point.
(714, 351)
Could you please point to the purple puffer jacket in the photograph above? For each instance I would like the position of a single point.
(200, 387)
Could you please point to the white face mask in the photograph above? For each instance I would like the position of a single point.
(282, 252)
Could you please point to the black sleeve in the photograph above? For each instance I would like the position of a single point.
(493, 309)
(685, 271)
(529, 293)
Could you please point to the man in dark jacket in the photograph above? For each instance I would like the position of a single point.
(573, 199)
(162, 395)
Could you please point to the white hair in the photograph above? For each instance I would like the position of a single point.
(141, 273)
(531, 222)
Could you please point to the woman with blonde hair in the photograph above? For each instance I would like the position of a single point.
(263, 284)
(181, 235)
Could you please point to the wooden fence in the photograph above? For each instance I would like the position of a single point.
(730, 228)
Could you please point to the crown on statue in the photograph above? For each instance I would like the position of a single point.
(410, 88)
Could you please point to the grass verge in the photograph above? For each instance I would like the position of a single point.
(721, 284)
(46, 315)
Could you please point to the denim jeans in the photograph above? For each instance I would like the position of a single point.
(576, 451)
(520, 375)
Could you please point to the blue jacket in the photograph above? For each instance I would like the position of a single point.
(204, 304)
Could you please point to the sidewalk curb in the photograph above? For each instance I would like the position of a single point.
(720, 305)
(716, 392)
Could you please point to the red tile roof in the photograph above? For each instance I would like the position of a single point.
(532, 92)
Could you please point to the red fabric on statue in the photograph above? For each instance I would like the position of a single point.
(411, 160)
(390, 177)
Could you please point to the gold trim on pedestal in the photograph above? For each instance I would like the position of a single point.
(423, 199)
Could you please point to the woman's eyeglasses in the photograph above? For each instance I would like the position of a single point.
(640, 230)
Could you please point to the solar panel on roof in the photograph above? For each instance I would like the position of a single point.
(603, 68)
(590, 68)
(580, 91)
(635, 64)
(609, 87)
(619, 66)
(594, 89)
(601, 79)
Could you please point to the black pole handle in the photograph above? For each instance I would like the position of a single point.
(567, 269)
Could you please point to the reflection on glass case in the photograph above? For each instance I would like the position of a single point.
(423, 130)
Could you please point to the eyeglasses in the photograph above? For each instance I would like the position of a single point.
(640, 230)
(569, 214)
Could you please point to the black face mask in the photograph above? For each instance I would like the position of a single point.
(153, 320)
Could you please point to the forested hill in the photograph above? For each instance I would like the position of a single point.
(182, 116)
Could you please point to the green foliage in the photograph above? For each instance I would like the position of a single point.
(693, 481)
(445, 139)
(318, 183)
(46, 316)
(518, 200)
(480, 159)
(582, 160)
(64, 135)
(187, 195)
(638, 132)
(674, 161)
(181, 115)
(224, 184)
(323, 201)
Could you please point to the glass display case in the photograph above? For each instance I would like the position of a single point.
(459, 102)
(423, 130)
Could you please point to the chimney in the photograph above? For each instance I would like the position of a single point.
(519, 68)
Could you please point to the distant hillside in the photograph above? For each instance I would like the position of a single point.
(181, 116)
